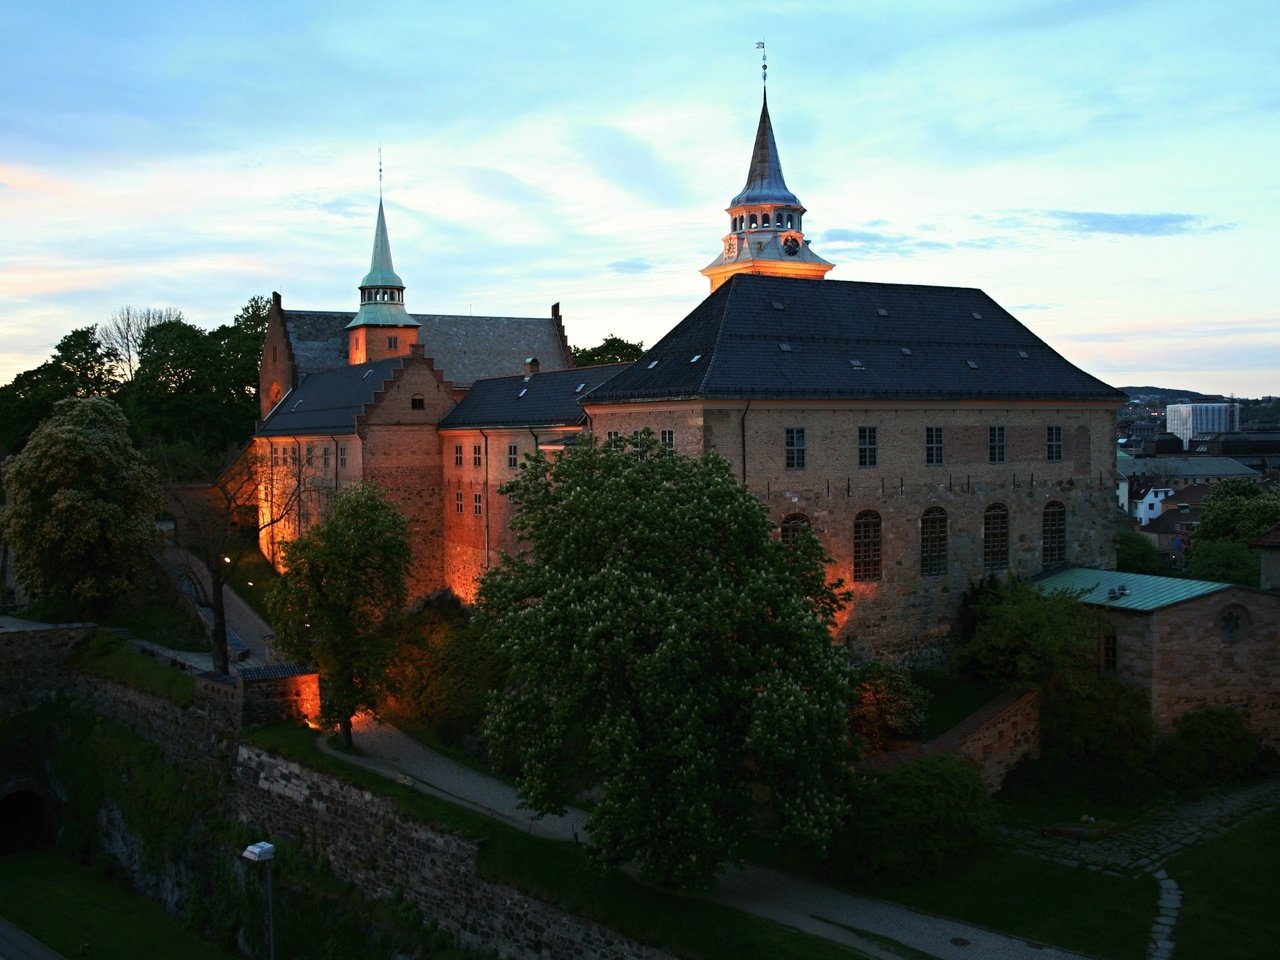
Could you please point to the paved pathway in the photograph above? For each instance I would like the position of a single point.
(1146, 846)
(788, 900)
(15, 944)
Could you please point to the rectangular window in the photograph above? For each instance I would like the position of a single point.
(1053, 444)
(275, 455)
(477, 503)
(611, 435)
(393, 343)
(457, 501)
(324, 455)
(457, 454)
(866, 446)
(417, 403)
(932, 444)
(476, 455)
(342, 458)
(995, 444)
(669, 439)
(1109, 653)
(293, 455)
(795, 448)
(311, 449)
(513, 455)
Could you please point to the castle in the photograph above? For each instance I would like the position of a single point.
(924, 434)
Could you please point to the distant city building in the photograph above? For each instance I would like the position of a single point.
(1185, 420)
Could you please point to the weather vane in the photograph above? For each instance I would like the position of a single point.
(764, 66)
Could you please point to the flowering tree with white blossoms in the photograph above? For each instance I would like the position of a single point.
(669, 654)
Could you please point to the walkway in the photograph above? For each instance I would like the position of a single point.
(788, 900)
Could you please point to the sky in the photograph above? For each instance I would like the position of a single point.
(1107, 170)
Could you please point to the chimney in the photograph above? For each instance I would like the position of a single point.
(530, 366)
(417, 349)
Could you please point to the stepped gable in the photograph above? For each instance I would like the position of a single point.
(537, 400)
(759, 336)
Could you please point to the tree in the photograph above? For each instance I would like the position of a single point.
(669, 653)
(83, 507)
(1136, 553)
(124, 332)
(218, 524)
(611, 350)
(1224, 561)
(339, 601)
(886, 701)
(1239, 510)
(1011, 631)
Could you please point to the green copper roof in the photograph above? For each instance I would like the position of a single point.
(1127, 591)
(381, 272)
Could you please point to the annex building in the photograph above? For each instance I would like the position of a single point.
(924, 434)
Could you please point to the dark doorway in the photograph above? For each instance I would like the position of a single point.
(25, 822)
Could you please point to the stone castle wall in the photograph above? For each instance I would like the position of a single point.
(369, 843)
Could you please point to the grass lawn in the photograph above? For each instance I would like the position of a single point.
(104, 654)
(66, 905)
(1229, 889)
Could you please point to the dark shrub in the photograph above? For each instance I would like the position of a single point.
(914, 820)
(1097, 718)
(1208, 747)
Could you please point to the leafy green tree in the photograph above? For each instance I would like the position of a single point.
(1016, 633)
(1136, 553)
(610, 350)
(1239, 510)
(886, 702)
(1224, 561)
(342, 595)
(81, 521)
(669, 653)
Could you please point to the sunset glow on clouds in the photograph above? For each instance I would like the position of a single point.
(1106, 171)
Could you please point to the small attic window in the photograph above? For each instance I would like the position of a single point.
(784, 347)
(778, 305)
(579, 388)
(906, 351)
(652, 364)
(882, 311)
(857, 364)
(298, 403)
(366, 375)
(977, 315)
(696, 358)
(1024, 355)
(973, 364)
(523, 391)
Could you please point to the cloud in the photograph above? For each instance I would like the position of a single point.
(876, 242)
(1132, 224)
(632, 164)
(631, 266)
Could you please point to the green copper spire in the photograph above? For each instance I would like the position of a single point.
(382, 290)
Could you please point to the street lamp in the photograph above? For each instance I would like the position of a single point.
(263, 852)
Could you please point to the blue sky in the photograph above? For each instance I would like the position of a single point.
(1107, 171)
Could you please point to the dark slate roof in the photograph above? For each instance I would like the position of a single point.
(329, 401)
(548, 398)
(465, 349)
(758, 336)
(1181, 468)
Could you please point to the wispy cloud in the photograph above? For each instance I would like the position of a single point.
(870, 242)
(1133, 224)
(631, 266)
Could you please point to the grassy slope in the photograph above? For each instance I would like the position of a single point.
(65, 905)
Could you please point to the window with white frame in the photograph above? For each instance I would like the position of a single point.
(932, 445)
(794, 448)
(866, 446)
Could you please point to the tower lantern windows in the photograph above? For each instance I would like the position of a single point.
(753, 221)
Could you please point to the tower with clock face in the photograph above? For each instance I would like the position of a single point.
(765, 222)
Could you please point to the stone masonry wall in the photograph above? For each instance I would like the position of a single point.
(33, 664)
(369, 843)
(995, 738)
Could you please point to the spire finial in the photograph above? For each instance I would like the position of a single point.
(379, 173)
(764, 64)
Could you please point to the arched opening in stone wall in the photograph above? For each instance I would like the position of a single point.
(26, 822)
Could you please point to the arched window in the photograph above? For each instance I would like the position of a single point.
(933, 542)
(753, 221)
(1053, 534)
(995, 537)
(790, 218)
(791, 526)
(866, 546)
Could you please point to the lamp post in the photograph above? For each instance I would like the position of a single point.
(263, 852)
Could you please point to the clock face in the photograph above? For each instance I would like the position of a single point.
(730, 248)
(791, 245)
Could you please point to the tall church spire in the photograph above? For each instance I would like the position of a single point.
(765, 221)
(381, 304)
